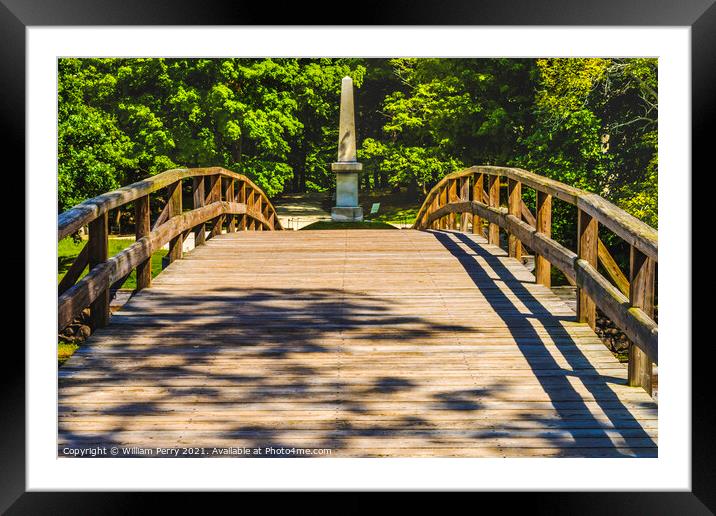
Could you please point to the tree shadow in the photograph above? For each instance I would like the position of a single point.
(291, 368)
(181, 377)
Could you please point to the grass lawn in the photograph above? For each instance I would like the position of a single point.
(65, 351)
(329, 224)
(68, 249)
(397, 208)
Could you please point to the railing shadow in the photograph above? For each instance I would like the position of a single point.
(264, 367)
(558, 388)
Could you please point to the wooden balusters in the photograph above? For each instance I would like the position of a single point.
(641, 295)
(199, 201)
(465, 196)
(493, 232)
(175, 209)
(514, 207)
(587, 249)
(142, 227)
(98, 248)
(478, 185)
(543, 225)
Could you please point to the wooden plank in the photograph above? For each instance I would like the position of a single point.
(587, 250)
(610, 265)
(164, 215)
(543, 225)
(75, 270)
(142, 229)
(527, 214)
(643, 274)
(97, 254)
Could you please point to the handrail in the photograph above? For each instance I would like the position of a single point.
(73, 219)
(623, 224)
(228, 195)
(629, 303)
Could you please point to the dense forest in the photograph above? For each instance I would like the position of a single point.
(591, 122)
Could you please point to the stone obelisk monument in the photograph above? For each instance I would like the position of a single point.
(347, 168)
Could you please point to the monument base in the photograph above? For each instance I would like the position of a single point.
(346, 214)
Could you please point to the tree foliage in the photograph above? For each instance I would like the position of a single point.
(587, 122)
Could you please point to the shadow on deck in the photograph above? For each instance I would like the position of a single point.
(363, 373)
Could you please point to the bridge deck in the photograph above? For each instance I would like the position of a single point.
(371, 343)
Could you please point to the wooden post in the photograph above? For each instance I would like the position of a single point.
(242, 199)
(174, 200)
(250, 207)
(493, 233)
(465, 196)
(477, 192)
(266, 211)
(142, 228)
(543, 268)
(452, 197)
(213, 196)
(98, 249)
(641, 295)
(230, 196)
(199, 201)
(587, 249)
(514, 207)
(441, 201)
(436, 205)
(259, 209)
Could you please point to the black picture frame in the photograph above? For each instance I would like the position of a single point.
(16, 15)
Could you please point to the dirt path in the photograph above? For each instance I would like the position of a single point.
(301, 209)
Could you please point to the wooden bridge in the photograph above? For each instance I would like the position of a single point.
(425, 342)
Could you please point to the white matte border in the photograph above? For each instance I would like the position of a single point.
(671, 470)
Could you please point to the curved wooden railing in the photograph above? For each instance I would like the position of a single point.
(629, 303)
(220, 198)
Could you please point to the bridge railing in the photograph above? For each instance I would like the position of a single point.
(628, 302)
(220, 198)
